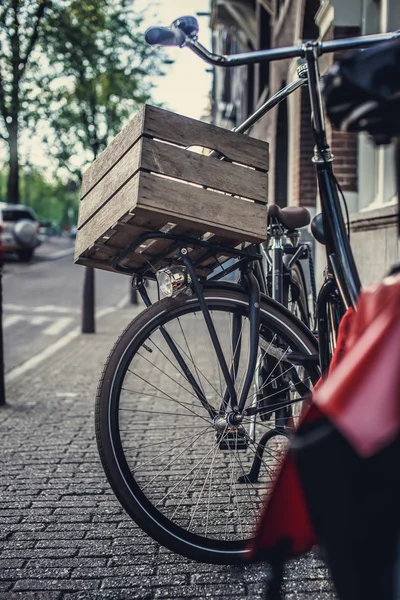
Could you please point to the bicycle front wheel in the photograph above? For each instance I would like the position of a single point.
(177, 465)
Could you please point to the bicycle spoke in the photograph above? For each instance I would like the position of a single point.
(137, 467)
(181, 402)
(209, 492)
(195, 366)
(215, 449)
(252, 500)
(174, 459)
(157, 412)
(231, 493)
(196, 475)
(166, 374)
(170, 397)
(140, 446)
(183, 478)
(191, 358)
(208, 352)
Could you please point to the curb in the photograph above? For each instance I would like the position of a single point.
(55, 256)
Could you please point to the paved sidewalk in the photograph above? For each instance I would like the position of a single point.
(63, 536)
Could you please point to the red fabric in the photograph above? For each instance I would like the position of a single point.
(342, 340)
(286, 517)
(361, 395)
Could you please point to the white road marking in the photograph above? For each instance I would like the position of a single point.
(44, 355)
(40, 309)
(16, 307)
(55, 324)
(56, 309)
(58, 325)
(122, 303)
(37, 320)
(57, 345)
(66, 394)
(11, 320)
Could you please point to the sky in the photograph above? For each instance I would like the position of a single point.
(184, 89)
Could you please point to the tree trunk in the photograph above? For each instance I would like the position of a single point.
(13, 196)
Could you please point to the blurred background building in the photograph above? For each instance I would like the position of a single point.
(366, 174)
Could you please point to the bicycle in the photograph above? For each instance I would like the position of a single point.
(190, 452)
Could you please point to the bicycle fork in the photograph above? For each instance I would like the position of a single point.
(230, 396)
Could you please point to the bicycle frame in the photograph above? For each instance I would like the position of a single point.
(344, 278)
(339, 254)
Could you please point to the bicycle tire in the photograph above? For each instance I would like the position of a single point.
(300, 306)
(122, 477)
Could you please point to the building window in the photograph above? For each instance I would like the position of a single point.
(265, 43)
(376, 172)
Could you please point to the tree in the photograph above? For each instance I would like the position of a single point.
(106, 64)
(107, 69)
(20, 28)
(85, 60)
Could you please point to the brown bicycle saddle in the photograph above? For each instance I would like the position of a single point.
(291, 217)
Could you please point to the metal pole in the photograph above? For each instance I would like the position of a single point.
(133, 293)
(88, 314)
(2, 386)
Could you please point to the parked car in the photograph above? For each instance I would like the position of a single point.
(20, 230)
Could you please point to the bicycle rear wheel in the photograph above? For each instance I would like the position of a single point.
(297, 301)
(181, 474)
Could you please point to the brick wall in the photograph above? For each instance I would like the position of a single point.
(296, 18)
(343, 145)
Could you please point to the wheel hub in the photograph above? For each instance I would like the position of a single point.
(230, 433)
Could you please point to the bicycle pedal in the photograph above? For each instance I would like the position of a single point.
(233, 440)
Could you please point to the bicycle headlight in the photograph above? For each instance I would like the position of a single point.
(173, 280)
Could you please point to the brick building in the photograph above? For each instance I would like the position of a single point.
(365, 173)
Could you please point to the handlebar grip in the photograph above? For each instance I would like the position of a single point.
(164, 36)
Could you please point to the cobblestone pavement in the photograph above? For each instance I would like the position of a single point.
(63, 535)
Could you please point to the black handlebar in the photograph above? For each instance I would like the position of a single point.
(183, 32)
(165, 36)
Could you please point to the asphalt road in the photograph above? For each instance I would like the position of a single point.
(42, 300)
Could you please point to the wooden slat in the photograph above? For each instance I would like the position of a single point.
(203, 170)
(179, 203)
(111, 212)
(212, 210)
(184, 131)
(113, 181)
(166, 125)
(113, 153)
(174, 162)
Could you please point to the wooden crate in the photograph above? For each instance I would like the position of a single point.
(148, 180)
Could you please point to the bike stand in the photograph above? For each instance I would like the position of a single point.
(252, 476)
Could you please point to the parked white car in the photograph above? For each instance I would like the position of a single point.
(20, 230)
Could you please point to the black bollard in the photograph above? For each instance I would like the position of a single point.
(88, 305)
(2, 386)
(133, 292)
